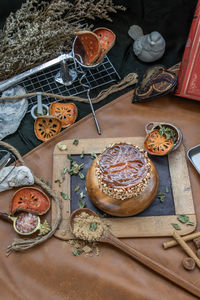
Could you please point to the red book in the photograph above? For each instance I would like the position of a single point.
(189, 76)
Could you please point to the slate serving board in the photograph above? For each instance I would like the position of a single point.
(156, 220)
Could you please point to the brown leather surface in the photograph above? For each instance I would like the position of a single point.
(51, 272)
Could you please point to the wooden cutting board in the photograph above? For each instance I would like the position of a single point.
(136, 226)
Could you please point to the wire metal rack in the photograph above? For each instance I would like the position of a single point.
(44, 80)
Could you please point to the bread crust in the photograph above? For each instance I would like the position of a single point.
(117, 207)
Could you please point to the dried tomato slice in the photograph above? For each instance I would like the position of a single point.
(106, 39)
(66, 112)
(91, 44)
(46, 127)
(30, 199)
(157, 144)
(144, 92)
(163, 82)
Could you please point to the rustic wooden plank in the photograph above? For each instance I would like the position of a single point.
(181, 182)
(58, 165)
(138, 227)
(94, 145)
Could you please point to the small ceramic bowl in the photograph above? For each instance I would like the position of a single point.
(161, 146)
(34, 111)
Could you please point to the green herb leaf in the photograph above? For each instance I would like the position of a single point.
(166, 190)
(81, 166)
(183, 219)
(82, 204)
(70, 172)
(176, 226)
(77, 252)
(75, 142)
(82, 154)
(191, 223)
(161, 197)
(77, 188)
(65, 170)
(168, 132)
(65, 196)
(82, 195)
(93, 155)
(61, 147)
(46, 182)
(69, 157)
(81, 175)
(93, 226)
(44, 228)
(63, 175)
(76, 168)
(58, 181)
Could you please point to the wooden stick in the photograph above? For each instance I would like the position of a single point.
(186, 248)
(186, 238)
(108, 237)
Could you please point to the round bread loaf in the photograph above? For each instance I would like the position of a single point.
(122, 180)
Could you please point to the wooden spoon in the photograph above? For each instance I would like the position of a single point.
(108, 237)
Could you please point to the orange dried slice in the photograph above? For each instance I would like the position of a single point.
(66, 112)
(79, 51)
(46, 127)
(106, 39)
(30, 199)
(91, 44)
(144, 92)
(163, 82)
(156, 144)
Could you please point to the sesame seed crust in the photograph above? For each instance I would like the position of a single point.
(121, 163)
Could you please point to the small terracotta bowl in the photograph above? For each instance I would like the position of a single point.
(158, 145)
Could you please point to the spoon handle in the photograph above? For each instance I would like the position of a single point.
(153, 265)
(5, 217)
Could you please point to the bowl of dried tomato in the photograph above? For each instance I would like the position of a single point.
(162, 138)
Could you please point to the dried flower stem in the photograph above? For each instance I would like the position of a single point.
(38, 31)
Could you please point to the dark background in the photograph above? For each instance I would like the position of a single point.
(171, 18)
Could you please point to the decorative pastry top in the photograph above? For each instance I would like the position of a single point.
(123, 171)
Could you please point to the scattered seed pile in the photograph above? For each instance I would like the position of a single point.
(83, 247)
(40, 30)
(88, 227)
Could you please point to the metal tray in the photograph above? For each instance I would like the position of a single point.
(193, 155)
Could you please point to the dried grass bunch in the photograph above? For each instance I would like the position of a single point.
(39, 30)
